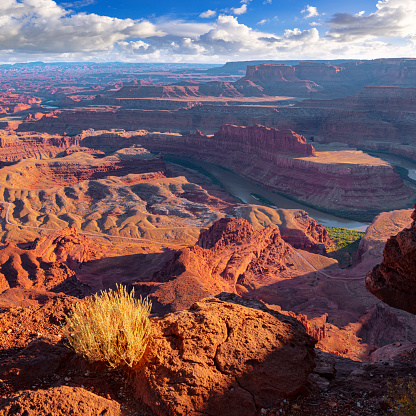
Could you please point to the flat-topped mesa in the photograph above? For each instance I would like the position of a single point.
(263, 140)
(168, 91)
(278, 79)
(266, 73)
(394, 280)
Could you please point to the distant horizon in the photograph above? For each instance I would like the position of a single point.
(196, 63)
(212, 32)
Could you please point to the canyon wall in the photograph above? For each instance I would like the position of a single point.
(15, 147)
(328, 184)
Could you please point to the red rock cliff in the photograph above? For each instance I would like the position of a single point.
(394, 280)
(263, 141)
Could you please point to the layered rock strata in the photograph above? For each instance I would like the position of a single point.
(284, 162)
(15, 147)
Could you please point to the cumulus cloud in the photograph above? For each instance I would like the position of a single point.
(393, 18)
(35, 26)
(208, 14)
(310, 11)
(44, 30)
(239, 10)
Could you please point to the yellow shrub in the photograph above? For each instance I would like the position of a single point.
(112, 327)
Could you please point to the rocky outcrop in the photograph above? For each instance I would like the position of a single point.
(49, 263)
(231, 256)
(145, 91)
(59, 401)
(65, 246)
(220, 355)
(394, 280)
(370, 249)
(253, 141)
(296, 227)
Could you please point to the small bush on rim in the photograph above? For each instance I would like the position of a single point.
(112, 326)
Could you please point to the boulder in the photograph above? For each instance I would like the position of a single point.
(59, 401)
(220, 357)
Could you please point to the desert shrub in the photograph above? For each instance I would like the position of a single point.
(401, 397)
(112, 326)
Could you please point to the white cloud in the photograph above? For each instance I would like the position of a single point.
(239, 10)
(393, 18)
(43, 30)
(267, 2)
(36, 26)
(311, 11)
(208, 14)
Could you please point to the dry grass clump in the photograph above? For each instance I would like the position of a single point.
(112, 326)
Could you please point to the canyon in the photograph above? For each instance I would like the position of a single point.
(103, 182)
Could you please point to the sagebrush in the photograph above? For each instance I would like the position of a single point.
(112, 326)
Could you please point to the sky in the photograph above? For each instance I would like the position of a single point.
(209, 31)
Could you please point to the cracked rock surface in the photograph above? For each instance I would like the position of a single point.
(222, 355)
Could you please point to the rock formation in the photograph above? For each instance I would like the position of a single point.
(48, 264)
(296, 227)
(80, 166)
(14, 147)
(284, 162)
(280, 80)
(59, 401)
(231, 256)
(220, 355)
(394, 280)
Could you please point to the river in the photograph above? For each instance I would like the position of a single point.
(397, 160)
(244, 189)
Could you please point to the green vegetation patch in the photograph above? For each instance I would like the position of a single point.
(342, 237)
(345, 244)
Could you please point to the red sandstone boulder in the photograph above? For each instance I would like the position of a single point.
(394, 280)
(59, 401)
(223, 358)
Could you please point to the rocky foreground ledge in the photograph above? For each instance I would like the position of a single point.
(220, 357)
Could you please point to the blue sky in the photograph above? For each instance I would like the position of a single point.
(208, 32)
